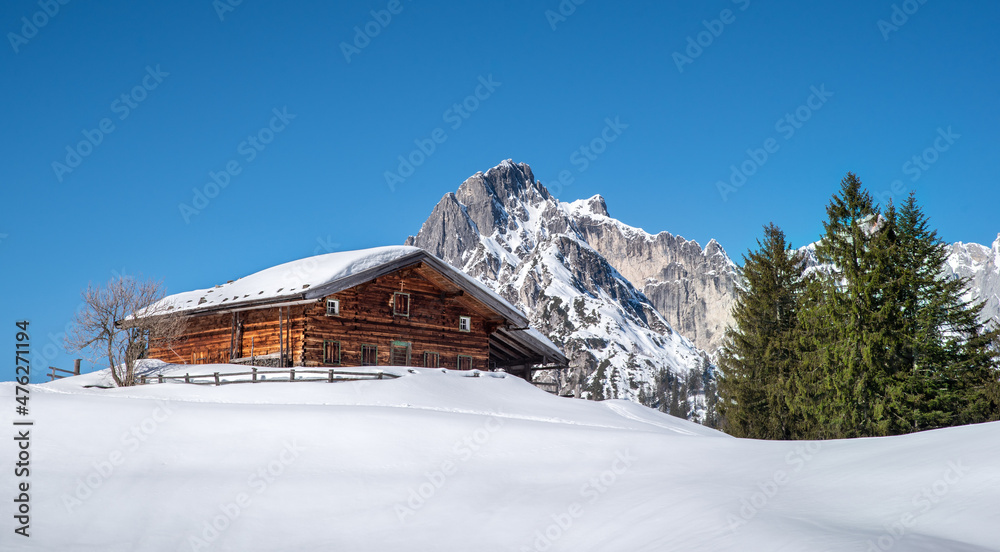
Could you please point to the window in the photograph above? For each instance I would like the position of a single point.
(333, 307)
(464, 362)
(369, 355)
(401, 304)
(432, 360)
(331, 352)
(465, 323)
(399, 355)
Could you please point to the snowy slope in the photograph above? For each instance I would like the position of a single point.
(444, 461)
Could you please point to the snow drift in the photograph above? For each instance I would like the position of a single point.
(442, 460)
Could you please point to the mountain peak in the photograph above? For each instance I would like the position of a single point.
(564, 263)
(594, 205)
(507, 184)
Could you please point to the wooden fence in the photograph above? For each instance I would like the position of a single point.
(264, 376)
(53, 375)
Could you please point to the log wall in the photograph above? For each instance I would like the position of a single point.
(207, 338)
(366, 318)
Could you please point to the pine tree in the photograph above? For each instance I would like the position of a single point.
(952, 376)
(759, 354)
(875, 341)
(859, 358)
(888, 345)
(710, 385)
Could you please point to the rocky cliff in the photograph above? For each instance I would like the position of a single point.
(503, 227)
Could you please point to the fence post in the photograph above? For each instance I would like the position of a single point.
(291, 375)
(161, 378)
(254, 380)
(76, 367)
(143, 380)
(331, 375)
(187, 378)
(380, 374)
(216, 378)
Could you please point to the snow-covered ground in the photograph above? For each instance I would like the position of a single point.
(438, 460)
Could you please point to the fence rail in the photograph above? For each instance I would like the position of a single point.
(263, 376)
(53, 375)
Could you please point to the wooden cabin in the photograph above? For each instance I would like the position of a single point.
(386, 306)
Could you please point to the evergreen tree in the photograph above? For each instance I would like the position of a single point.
(710, 385)
(952, 373)
(874, 341)
(888, 344)
(759, 355)
(860, 358)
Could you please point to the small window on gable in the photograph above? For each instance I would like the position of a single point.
(432, 360)
(401, 304)
(465, 323)
(464, 362)
(331, 352)
(333, 307)
(369, 355)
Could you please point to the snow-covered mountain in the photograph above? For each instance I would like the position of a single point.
(981, 265)
(503, 227)
(692, 287)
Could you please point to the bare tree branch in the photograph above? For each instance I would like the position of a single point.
(119, 319)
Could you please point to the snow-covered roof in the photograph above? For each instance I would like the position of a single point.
(290, 281)
(315, 277)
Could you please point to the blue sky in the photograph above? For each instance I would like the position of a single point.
(117, 114)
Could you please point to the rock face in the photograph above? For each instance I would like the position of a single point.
(693, 288)
(981, 265)
(505, 229)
